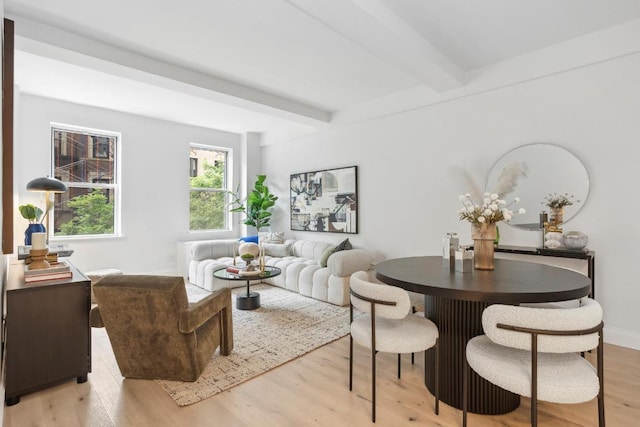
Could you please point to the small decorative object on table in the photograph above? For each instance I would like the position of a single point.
(464, 259)
(449, 245)
(557, 202)
(553, 240)
(575, 240)
(39, 252)
(33, 214)
(483, 218)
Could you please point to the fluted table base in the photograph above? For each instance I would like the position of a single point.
(458, 322)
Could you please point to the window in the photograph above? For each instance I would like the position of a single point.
(86, 161)
(208, 188)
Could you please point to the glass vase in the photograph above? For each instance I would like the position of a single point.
(483, 236)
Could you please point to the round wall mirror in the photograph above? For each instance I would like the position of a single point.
(547, 169)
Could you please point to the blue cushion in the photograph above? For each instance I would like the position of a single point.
(249, 239)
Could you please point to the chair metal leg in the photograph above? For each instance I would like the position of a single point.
(350, 362)
(399, 365)
(437, 375)
(412, 358)
(465, 389)
(601, 421)
(534, 380)
(373, 383)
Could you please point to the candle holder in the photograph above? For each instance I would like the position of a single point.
(38, 261)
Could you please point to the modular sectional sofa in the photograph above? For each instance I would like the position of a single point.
(302, 263)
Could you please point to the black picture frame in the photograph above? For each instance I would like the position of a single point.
(325, 200)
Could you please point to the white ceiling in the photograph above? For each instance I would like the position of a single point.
(281, 66)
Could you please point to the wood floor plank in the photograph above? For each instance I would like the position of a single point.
(312, 390)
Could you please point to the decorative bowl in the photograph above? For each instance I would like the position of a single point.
(575, 240)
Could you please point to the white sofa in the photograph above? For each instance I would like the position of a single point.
(299, 261)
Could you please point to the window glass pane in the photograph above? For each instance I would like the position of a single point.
(207, 179)
(84, 158)
(86, 161)
(84, 211)
(206, 210)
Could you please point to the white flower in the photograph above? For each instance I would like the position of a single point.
(488, 212)
(481, 219)
(522, 211)
(487, 201)
(494, 196)
(470, 209)
(507, 216)
(493, 207)
(517, 199)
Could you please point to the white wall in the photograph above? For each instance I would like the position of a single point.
(410, 170)
(155, 181)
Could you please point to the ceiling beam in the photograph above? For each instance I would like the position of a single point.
(41, 39)
(372, 25)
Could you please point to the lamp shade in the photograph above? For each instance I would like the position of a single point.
(47, 183)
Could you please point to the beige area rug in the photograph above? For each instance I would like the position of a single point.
(286, 326)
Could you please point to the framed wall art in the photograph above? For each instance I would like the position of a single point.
(325, 200)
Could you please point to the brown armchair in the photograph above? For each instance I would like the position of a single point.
(155, 332)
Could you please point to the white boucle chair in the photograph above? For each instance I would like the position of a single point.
(535, 352)
(386, 325)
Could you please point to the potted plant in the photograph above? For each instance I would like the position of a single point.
(257, 206)
(34, 215)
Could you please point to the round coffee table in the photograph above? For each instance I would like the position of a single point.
(250, 300)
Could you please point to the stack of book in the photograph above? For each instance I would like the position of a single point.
(56, 271)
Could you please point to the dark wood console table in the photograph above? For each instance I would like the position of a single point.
(587, 255)
(48, 338)
(455, 301)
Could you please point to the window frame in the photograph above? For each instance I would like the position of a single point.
(226, 187)
(116, 187)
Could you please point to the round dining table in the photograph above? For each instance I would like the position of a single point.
(454, 301)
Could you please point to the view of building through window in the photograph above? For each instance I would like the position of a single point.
(208, 188)
(85, 160)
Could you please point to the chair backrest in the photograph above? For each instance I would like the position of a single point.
(587, 315)
(141, 315)
(362, 286)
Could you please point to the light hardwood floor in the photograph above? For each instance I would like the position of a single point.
(309, 391)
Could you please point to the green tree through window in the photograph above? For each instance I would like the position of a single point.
(92, 214)
(207, 198)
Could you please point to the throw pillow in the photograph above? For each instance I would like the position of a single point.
(343, 246)
(278, 250)
(268, 237)
(251, 239)
(325, 256)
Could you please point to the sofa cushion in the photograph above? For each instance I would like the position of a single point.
(279, 250)
(268, 237)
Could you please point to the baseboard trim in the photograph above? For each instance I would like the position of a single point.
(622, 337)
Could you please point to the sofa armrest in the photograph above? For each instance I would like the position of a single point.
(345, 263)
(212, 249)
(199, 312)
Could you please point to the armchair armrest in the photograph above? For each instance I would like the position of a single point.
(345, 263)
(199, 312)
